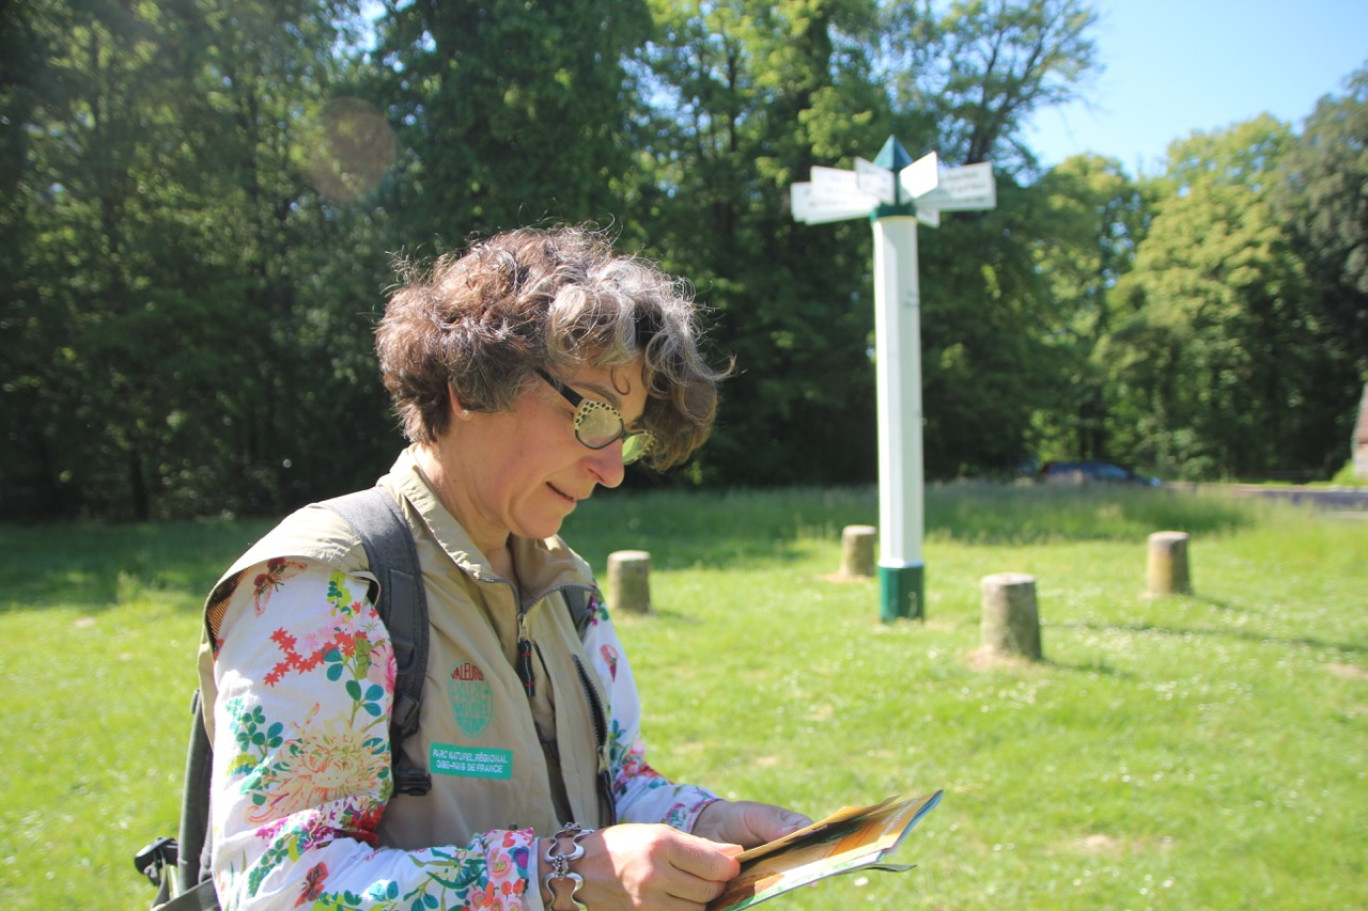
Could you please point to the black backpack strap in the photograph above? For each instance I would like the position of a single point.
(186, 857)
(402, 605)
(193, 838)
(580, 603)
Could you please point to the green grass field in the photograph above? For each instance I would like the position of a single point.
(1202, 752)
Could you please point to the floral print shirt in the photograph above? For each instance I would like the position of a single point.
(302, 772)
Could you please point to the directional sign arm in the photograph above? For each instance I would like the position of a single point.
(968, 187)
(921, 177)
(815, 208)
(876, 181)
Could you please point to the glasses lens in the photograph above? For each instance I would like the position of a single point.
(597, 424)
(636, 446)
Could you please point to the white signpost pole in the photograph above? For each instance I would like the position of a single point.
(897, 353)
(896, 192)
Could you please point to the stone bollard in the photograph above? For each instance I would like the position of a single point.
(1168, 564)
(629, 581)
(857, 550)
(1010, 622)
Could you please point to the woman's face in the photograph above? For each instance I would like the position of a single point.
(523, 470)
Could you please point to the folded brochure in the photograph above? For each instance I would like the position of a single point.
(853, 838)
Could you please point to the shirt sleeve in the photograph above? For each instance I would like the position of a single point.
(302, 772)
(641, 793)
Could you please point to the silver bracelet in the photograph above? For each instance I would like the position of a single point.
(560, 862)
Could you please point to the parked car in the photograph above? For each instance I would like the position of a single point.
(1091, 472)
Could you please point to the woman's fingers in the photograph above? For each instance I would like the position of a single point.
(633, 867)
(702, 868)
(747, 823)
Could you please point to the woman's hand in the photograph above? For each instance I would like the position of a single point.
(632, 867)
(746, 823)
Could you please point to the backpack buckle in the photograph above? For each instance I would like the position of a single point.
(153, 860)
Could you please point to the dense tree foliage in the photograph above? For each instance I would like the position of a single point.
(1323, 195)
(749, 97)
(200, 203)
(509, 113)
(1229, 365)
(967, 77)
(975, 72)
(1089, 218)
(180, 325)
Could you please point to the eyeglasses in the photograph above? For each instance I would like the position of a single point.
(599, 425)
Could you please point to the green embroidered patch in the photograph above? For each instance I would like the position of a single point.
(472, 701)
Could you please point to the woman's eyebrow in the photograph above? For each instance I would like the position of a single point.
(602, 392)
(612, 398)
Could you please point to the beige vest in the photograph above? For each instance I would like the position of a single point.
(477, 736)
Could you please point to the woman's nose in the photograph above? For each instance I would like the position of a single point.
(606, 464)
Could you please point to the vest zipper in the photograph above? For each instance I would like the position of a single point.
(607, 808)
(523, 665)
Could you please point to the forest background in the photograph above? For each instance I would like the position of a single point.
(201, 202)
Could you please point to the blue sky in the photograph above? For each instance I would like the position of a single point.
(1175, 66)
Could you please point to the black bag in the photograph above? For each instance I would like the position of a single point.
(402, 605)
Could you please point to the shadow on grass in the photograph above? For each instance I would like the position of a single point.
(1242, 635)
(1230, 607)
(1096, 668)
(656, 615)
(93, 567)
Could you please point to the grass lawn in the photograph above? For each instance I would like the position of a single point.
(1202, 752)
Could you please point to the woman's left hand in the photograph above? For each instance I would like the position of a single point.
(746, 823)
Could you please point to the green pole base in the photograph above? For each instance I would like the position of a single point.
(902, 592)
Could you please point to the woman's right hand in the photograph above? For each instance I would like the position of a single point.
(631, 867)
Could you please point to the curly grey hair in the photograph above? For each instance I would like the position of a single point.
(481, 324)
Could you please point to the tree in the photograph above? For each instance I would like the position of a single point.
(1088, 220)
(1221, 370)
(26, 483)
(749, 96)
(982, 67)
(155, 365)
(755, 94)
(974, 71)
(1322, 196)
(509, 113)
(300, 412)
(85, 380)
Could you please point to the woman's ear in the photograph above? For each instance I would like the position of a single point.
(462, 413)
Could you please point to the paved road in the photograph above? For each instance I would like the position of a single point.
(1321, 497)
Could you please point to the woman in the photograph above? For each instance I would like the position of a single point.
(527, 373)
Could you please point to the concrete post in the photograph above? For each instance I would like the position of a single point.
(1010, 623)
(1168, 564)
(857, 550)
(629, 581)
